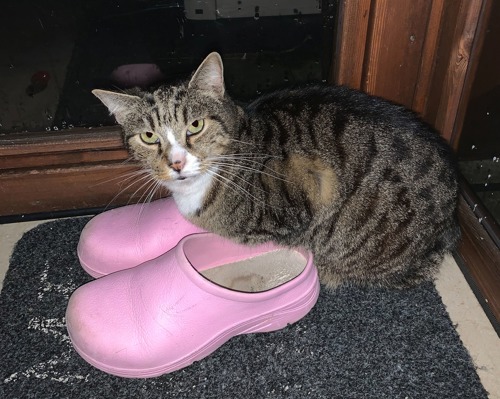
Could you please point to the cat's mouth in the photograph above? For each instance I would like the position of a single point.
(184, 177)
(175, 179)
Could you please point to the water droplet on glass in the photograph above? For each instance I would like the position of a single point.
(473, 147)
(70, 126)
(47, 129)
(55, 128)
(11, 66)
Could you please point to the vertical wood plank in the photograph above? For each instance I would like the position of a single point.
(458, 65)
(441, 57)
(429, 50)
(478, 31)
(393, 56)
(351, 41)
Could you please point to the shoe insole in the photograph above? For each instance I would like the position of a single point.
(259, 273)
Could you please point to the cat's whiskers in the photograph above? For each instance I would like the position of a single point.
(129, 159)
(145, 175)
(233, 186)
(152, 190)
(249, 155)
(123, 175)
(251, 169)
(244, 142)
(138, 175)
(146, 190)
(236, 187)
(150, 181)
(235, 162)
(241, 178)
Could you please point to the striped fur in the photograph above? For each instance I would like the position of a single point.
(363, 183)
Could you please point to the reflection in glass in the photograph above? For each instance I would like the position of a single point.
(56, 52)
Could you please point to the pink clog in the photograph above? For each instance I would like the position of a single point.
(128, 236)
(167, 313)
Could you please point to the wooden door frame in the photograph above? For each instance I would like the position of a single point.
(431, 49)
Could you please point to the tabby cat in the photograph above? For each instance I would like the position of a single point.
(364, 184)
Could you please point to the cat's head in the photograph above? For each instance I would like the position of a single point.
(177, 131)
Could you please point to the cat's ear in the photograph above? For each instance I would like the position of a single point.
(210, 75)
(118, 104)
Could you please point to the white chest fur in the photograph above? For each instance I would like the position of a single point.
(189, 195)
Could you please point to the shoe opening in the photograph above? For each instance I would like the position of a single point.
(243, 268)
(259, 273)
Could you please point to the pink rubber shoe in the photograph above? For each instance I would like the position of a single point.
(167, 313)
(128, 236)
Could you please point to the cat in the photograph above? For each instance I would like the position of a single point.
(363, 183)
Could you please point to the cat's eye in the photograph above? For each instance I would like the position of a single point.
(195, 127)
(150, 138)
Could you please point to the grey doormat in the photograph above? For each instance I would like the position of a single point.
(355, 343)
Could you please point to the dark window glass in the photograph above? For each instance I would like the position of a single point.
(479, 147)
(55, 52)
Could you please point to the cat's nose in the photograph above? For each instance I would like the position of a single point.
(177, 159)
(177, 165)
